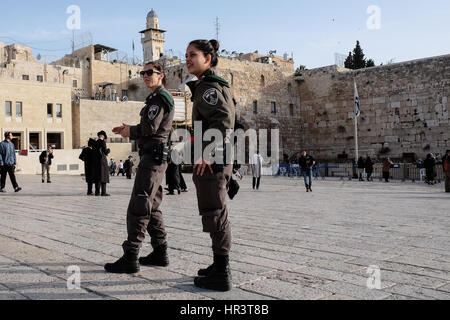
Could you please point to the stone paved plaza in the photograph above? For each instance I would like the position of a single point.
(287, 244)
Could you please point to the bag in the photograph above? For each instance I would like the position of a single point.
(233, 188)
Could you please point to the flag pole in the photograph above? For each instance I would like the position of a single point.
(356, 139)
(357, 112)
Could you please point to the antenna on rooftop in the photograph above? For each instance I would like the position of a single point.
(217, 25)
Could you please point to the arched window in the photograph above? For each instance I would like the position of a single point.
(263, 81)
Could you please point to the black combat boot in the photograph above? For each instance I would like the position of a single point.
(128, 264)
(158, 258)
(219, 276)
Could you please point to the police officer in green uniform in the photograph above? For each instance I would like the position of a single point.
(144, 214)
(213, 107)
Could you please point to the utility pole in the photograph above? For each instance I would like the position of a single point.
(73, 41)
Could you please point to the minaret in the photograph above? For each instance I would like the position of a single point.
(153, 39)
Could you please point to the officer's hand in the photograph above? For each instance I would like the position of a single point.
(125, 133)
(201, 165)
(118, 130)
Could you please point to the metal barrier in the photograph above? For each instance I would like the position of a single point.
(402, 171)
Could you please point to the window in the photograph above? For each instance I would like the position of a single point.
(55, 140)
(124, 93)
(25, 77)
(49, 110)
(263, 81)
(8, 111)
(291, 110)
(75, 83)
(19, 109)
(255, 107)
(40, 78)
(273, 107)
(59, 110)
(34, 141)
(289, 88)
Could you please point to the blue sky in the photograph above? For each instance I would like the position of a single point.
(312, 31)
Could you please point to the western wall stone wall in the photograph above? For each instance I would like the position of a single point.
(404, 109)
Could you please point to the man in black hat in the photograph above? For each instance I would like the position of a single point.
(101, 168)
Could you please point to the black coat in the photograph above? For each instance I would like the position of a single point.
(44, 155)
(430, 165)
(87, 157)
(173, 176)
(101, 168)
(361, 163)
(369, 165)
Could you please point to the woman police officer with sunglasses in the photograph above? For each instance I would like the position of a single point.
(144, 214)
(214, 108)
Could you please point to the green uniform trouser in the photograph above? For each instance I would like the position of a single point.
(45, 168)
(211, 195)
(144, 214)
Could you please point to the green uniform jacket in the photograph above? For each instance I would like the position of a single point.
(156, 120)
(213, 107)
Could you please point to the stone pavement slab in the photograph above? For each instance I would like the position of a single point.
(287, 244)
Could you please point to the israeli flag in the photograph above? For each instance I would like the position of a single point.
(357, 105)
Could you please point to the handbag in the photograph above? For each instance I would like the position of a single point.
(233, 188)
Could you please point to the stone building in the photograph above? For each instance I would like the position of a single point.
(35, 100)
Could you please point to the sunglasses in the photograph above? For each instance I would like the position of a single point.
(149, 72)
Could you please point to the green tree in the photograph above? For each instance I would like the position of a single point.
(356, 59)
(359, 62)
(300, 69)
(370, 63)
(349, 61)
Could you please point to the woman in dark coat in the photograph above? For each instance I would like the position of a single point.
(430, 164)
(173, 178)
(87, 157)
(369, 168)
(101, 168)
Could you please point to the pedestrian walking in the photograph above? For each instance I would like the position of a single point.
(369, 168)
(387, 169)
(112, 167)
(121, 169)
(144, 213)
(128, 167)
(257, 167)
(8, 163)
(430, 169)
(45, 159)
(361, 167)
(306, 163)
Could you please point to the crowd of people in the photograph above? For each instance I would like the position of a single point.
(122, 168)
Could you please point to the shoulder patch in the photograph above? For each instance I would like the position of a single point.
(211, 96)
(153, 112)
(167, 99)
(216, 78)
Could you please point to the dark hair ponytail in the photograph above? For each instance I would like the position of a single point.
(208, 47)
